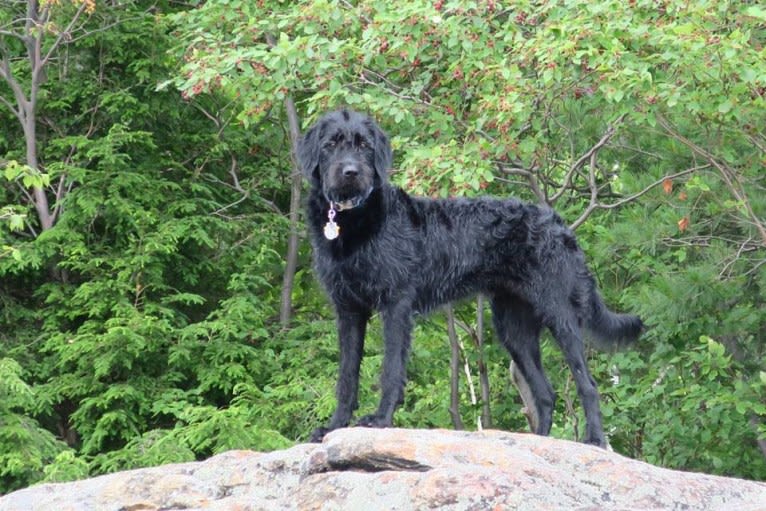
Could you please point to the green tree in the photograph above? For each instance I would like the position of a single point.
(31, 34)
(135, 319)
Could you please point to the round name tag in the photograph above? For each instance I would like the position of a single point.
(331, 230)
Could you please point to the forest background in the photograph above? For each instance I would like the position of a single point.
(156, 297)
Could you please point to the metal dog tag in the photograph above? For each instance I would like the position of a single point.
(331, 229)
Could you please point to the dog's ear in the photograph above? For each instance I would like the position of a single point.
(308, 155)
(383, 155)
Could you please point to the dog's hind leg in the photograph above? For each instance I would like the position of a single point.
(518, 329)
(568, 335)
(351, 330)
(397, 331)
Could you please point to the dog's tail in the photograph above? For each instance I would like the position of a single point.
(610, 330)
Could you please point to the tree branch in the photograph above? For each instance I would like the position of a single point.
(531, 180)
(593, 203)
(10, 106)
(729, 175)
(388, 87)
(234, 177)
(610, 131)
(44, 60)
(7, 74)
(592, 207)
(636, 195)
(104, 28)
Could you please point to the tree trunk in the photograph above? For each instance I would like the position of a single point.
(454, 366)
(486, 415)
(529, 410)
(30, 134)
(291, 259)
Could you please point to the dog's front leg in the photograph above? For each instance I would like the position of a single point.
(397, 330)
(351, 330)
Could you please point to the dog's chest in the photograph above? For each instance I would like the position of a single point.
(369, 274)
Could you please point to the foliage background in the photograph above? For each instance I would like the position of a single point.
(142, 326)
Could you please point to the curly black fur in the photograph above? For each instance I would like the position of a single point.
(403, 255)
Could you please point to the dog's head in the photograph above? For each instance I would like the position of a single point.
(345, 155)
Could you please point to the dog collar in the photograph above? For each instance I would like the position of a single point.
(344, 205)
(349, 203)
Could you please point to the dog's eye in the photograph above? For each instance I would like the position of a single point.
(363, 145)
(329, 144)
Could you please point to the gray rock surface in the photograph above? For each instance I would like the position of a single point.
(396, 469)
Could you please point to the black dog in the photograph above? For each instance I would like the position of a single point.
(377, 248)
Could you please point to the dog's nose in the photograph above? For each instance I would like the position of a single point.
(350, 170)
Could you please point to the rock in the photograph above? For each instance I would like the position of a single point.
(396, 469)
(233, 480)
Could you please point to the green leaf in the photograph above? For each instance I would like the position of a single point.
(12, 170)
(725, 107)
(16, 222)
(756, 11)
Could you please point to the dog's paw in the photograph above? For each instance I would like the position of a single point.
(373, 421)
(318, 434)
